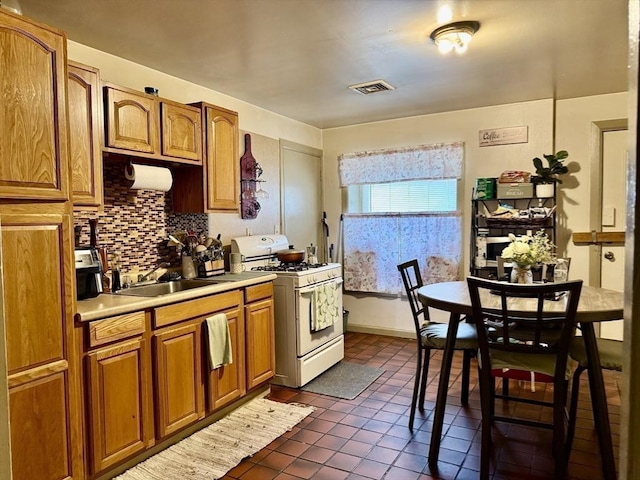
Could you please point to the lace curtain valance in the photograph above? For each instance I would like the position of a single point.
(441, 160)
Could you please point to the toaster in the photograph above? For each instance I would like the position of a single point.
(88, 273)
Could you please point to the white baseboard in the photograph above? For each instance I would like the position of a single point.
(381, 331)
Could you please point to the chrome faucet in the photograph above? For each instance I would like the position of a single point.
(142, 278)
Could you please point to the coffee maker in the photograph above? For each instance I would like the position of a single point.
(88, 273)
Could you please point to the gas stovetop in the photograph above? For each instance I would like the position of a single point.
(290, 267)
(302, 274)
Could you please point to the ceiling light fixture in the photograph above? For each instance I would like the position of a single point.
(454, 36)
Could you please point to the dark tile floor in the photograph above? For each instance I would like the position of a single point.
(368, 438)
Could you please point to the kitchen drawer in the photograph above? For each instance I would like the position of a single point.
(179, 312)
(116, 328)
(258, 292)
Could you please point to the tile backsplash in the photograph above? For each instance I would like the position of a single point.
(135, 223)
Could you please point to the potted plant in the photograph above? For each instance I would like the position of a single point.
(547, 176)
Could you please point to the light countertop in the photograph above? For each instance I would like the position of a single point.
(109, 304)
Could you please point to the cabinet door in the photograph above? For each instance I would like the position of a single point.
(132, 121)
(34, 161)
(38, 306)
(261, 359)
(40, 435)
(179, 396)
(85, 144)
(227, 383)
(222, 160)
(181, 131)
(117, 399)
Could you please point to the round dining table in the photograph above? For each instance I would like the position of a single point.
(596, 305)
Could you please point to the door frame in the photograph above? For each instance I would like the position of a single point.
(598, 129)
(298, 148)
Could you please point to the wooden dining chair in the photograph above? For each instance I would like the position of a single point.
(611, 355)
(433, 335)
(526, 376)
(537, 342)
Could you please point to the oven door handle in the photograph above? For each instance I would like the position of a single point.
(312, 288)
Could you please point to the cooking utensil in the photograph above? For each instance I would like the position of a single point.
(291, 255)
(176, 242)
(325, 238)
(339, 242)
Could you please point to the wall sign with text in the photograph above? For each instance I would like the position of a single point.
(503, 136)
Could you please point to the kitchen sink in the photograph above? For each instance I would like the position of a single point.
(165, 288)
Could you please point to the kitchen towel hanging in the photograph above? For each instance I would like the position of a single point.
(219, 341)
(324, 306)
(148, 177)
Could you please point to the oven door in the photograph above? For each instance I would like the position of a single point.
(318, 314)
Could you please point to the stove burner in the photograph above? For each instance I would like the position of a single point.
(289, 267)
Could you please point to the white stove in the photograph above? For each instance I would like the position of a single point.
(308, 340)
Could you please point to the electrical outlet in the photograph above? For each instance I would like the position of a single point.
(276, 229)
(248, 232)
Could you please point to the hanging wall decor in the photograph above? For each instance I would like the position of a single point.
(250, 171)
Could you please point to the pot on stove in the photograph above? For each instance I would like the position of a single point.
(291, 255)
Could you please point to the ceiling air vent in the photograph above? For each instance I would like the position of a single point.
(372, 87)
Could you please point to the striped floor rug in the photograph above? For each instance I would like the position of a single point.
(211, 452)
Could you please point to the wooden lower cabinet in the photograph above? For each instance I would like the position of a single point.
(260, 339)
(117, 397)
(136, 396)
(179, 395)
(227, 383)
(40, 436)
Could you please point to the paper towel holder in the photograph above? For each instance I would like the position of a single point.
(131, 174)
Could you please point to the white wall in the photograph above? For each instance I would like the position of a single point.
(574, 120)
(387, 314)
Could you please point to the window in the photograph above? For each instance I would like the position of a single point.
(401, 197)
(402, 204)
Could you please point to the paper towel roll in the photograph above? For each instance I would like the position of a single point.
(148, 177)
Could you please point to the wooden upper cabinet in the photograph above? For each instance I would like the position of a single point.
(181, 131)
(85, 141)
(34, 160)
(149, 127)
(222, 161)
(132, 120)
(216, 187)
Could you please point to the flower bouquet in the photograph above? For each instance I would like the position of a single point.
(526, 251)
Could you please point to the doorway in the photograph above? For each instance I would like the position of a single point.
(608, 213)
(301, 199)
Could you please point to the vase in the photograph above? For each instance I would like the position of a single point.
(545, 190)
(521, 275)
